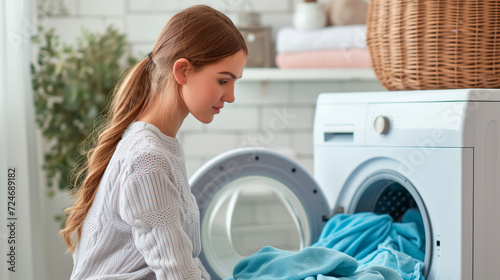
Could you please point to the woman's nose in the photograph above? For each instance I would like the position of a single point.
(229, 96)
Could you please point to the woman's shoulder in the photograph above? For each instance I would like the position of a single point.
(147, 156)
(145, 150)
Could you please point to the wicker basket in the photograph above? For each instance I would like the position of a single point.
(435, 44)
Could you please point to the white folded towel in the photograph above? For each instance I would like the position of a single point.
(290, 39)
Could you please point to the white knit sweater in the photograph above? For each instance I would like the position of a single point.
(144, 221)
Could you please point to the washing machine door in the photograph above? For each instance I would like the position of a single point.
(254, 197)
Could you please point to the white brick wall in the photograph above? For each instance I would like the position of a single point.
(191, 124)
(235, 6)
(145, 27)
(71, 28)
(271, 6)
(208, 144)
(288, 117)
(262, 93)
(142, 20)
(102, 8)
(303, 143)
(153, 5)
(307, 92)
(235, 118)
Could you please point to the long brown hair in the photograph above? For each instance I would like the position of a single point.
(200, 34)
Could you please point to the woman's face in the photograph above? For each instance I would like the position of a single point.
(204, 92)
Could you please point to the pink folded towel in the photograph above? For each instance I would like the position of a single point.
(337, 58)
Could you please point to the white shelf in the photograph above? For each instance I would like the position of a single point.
(252, 74)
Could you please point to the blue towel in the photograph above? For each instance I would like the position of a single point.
(356, 235)
(410, 234)
(387, 255)
(362, 246)
(372, 273)
(403, 250)
(313, 263)
(271, 263)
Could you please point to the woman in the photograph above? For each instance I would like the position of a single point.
(135, 217)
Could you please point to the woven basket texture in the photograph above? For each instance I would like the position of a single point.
(433, 44)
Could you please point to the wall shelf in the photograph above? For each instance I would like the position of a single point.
(255, 74)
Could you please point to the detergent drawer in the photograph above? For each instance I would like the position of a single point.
(420, 124)
(340, 124)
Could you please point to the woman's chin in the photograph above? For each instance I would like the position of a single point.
(205, 119)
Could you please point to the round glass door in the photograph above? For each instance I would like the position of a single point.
(250, 198)
(248, 214)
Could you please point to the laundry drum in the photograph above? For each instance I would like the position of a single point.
(388, 192)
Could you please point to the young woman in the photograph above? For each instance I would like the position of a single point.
(135, 216)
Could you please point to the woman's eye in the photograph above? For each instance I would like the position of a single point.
(222, 82)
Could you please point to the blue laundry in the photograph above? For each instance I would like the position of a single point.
(376, 240)
(313, 263)
(410, 234)
(356, 235)
(363, 246)
(271, 263)
(373, 273)
(403, 250)
(387, 255)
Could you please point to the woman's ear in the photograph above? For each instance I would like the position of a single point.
(181, 68)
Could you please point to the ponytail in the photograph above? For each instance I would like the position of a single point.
(130, 98)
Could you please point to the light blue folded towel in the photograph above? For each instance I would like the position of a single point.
(363, 246)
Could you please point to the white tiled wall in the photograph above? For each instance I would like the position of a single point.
(102, 8)
(142, 20)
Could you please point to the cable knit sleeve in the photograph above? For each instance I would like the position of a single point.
(153, 206)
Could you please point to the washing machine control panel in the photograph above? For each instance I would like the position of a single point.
(422, 124)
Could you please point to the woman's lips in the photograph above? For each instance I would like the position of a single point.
(217, 110)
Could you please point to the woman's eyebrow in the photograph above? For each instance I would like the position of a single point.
(230, 74)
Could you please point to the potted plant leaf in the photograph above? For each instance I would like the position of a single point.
(71, 87)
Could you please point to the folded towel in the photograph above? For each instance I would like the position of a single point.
(290, 39)
(347, 58)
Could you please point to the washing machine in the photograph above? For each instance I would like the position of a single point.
(383, 152)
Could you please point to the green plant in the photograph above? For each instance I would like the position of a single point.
(72, 86)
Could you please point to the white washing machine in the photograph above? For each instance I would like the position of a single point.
(437, 151)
